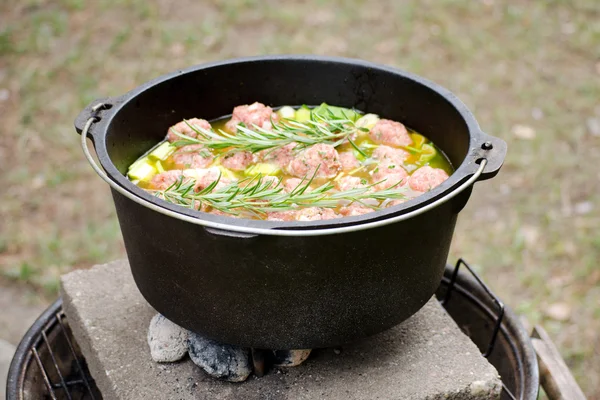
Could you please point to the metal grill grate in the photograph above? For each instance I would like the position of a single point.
(55, 359)
(50, 365)
(499, 316)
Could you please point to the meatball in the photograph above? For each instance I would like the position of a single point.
(292, 183)
(348, 161)
(392, 203)
(355, 209)
(316, 214)
(282, 215)
(426, 178)
(390, 132)
(237, 161)
(281, 156)
(192, 156)
(389, 176)
(387, 155)
(183, 128)
(321, 156)
(166, 179)
(202, 177)
(349, 183)
(254, 114)
(205, 177)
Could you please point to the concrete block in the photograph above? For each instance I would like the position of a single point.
(426, 357)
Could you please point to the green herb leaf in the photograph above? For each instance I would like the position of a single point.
(328, 129)
(257, 196)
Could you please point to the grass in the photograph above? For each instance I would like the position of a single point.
(532, 231)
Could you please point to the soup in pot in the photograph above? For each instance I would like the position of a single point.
(291, 164)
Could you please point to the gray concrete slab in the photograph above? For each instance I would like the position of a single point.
(426, 357)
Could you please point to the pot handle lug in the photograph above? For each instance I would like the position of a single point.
(97, 109)
(493, 149)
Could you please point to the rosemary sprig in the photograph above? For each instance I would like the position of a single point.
(256, 196)
(319, 129)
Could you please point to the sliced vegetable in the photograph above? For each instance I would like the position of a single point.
(427, 153)
(163, 151)
(302, 114)
(159, 167)
(240, 191)
(227, 173)
(339, 176)
(355, 170)
(137, 163)
(287, 112)
(262, 169)
(360, 155)
(367, 144)
(418, 140)
(367, 121)
(142, 171)
(325, 110)
(412, 150)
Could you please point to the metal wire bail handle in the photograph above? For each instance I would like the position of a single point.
(496, 300)
(262, 231)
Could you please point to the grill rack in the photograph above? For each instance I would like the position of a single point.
(85, 378)
(54, 358)
(50, 364)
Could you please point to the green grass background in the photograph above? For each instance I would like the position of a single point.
(529, 70)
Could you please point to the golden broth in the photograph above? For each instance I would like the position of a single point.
(422, 153)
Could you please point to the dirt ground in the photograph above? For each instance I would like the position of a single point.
(529, 70)
(20, 306)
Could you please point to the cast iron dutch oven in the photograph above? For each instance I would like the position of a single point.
(287, 285)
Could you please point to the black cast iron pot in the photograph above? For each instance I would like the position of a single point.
(287, 285)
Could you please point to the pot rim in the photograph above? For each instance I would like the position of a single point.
(478, 164)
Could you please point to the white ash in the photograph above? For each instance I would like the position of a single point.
(167, 341)
(221, 361)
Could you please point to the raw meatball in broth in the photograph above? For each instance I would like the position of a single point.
(391, 133)
(348, 161)
(166, 179)
(354, 210)
(340, 167)
(387, 155)
(192, 156)
(389, 175)
(281, 156)
(254, 114)
(316, 214)
(237, 161)
(321, 156)
(427, 178)
(291, 184)
(350, 182)
(184, 128)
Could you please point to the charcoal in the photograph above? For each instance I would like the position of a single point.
(167, 341)
(222, 361)
(290, 358)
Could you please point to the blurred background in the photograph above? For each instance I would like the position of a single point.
(529, 71)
